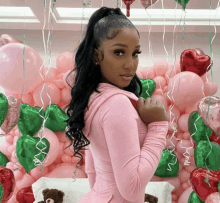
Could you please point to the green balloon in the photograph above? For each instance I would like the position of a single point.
(167, 158)
(3, 159)
(3, 108)
(197, 128)
(30, 121)
(193, 198)
(27, 148)
(202, 151)
(182, 3)
(148, 87)
(56, 120)
(1, 192)
(219, 186)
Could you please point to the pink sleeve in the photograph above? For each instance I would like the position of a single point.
(89, 167)
(133, 167)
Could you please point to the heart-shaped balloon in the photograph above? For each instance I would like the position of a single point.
(1, 192)
(28, 148)
(128, 3)
(56, 120)
(197, 128)
(205, 155)
(3, 108)
(166, 163)
(147, 3)
(199, 51)
(215, 138)
(182, 3)
(12, 116)
(7, 180)
(191, 61)
(193, 198)
(3, 159)
(25, 195)
(30, 121)
(200, 186)
(209, 109)
(213, 198)
(148, 87)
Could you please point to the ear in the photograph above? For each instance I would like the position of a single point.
(96, 55)
(45, 191)
(61, 194)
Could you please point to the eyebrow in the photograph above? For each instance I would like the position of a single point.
(124, 45)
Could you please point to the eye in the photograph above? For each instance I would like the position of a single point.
(121, 51)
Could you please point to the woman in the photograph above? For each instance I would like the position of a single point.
(126, 134)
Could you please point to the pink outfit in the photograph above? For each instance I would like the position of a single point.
(123, 153)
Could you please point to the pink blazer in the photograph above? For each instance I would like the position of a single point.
(124, 153)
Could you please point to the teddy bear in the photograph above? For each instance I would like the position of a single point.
(52, 196)
(150, 198)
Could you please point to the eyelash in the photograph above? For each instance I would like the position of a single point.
(118, 51)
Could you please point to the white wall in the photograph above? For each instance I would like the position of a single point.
(68, 40)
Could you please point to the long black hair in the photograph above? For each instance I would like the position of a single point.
(88, 74)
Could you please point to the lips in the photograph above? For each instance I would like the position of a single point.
(127, 75)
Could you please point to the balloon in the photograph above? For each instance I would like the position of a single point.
(166, 167)
(56, 118)
(28, 149)
(199, 51)
(210, 88)
(197, 128)
(30, 121)
(213, 198)
(7, 180)
(69, 78)
(5, 39)
(50, 74)
(11, 70)
(1, 192)
(147, 3)
(185, 195)
(209, 109)
(3, 107)
(182, 3)
(148, 72)
(160, 82)
(3, 159)
(215, 138)
(206, 155)
(193, 198)
(128, 3)
(185, 89)
(25, 195)
(160, 67)
(65, 62)
(193, 62)
(148, 87)
(200, 186)
(13, 115)
(183, 122)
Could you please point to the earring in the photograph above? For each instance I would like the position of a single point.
(96, 63)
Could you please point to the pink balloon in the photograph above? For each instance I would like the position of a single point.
(70, 78)
(186, 135)
(11, 69)
(65, 158)
(26, 181)
(210, 88)
(170, 142)
(36, 173)
(160, 67)
(171, 71)
(49, 88)
(50, 74)
(173, 181)
(147, 3)
(183, 122)
(68, 150)
(185, 195)
(158, 92)
(160, 82)
(183, 176)
(183, 144)
(186, 89)
(65, 62)
(66, 95)
(27, 98)
(5, 39)
(173, 114)
(205, 77)
(192, 108)
(148, 72)
(213, 198)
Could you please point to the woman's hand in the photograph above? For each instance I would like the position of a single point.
(151, 110)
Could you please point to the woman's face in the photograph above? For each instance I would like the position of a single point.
(119, 59)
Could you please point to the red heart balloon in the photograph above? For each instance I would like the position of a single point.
(215, 138)
(7, 180)
(128, 3)
(25, 195)
(191, 61)
(200, 187)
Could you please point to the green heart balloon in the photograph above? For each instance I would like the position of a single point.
(219, 186)
(148, 87)
(202, 151)
(56, 120)
(3, 108)
(182, 3)
(29, 122)
(197, 128)
(1, 192)
(168, 157)
(27, 150)
(193, 198)
(3, 159)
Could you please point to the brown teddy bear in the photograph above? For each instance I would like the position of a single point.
(52, 196)
(150, 198)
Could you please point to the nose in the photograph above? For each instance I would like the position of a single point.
(130, 64)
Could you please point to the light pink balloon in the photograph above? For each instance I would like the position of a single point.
(185, 195)
(147, 3)
(27, 98)
(210, 88)
(66, 95)
(68, 150)
(65, 62)
(148, 72)
(192, 108)
(186, 89)
(160, 82)
(213, 198)
(186, 135)
(49, 88)
(36, 173)
(158, 92)
(5, 39)
(183, 122)
(173, 114)
(70, 78)
(160, 67)
(50, 74)
(205, 77)
(183, 144)
(11, 69)
(26, 181)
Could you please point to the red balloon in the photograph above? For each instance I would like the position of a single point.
(199, 51)
(5, 39)
(215, 138)
(191, 61)
(7, 180)
(25, 195)
(200, 187)
(128, 3)
(147, 3)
